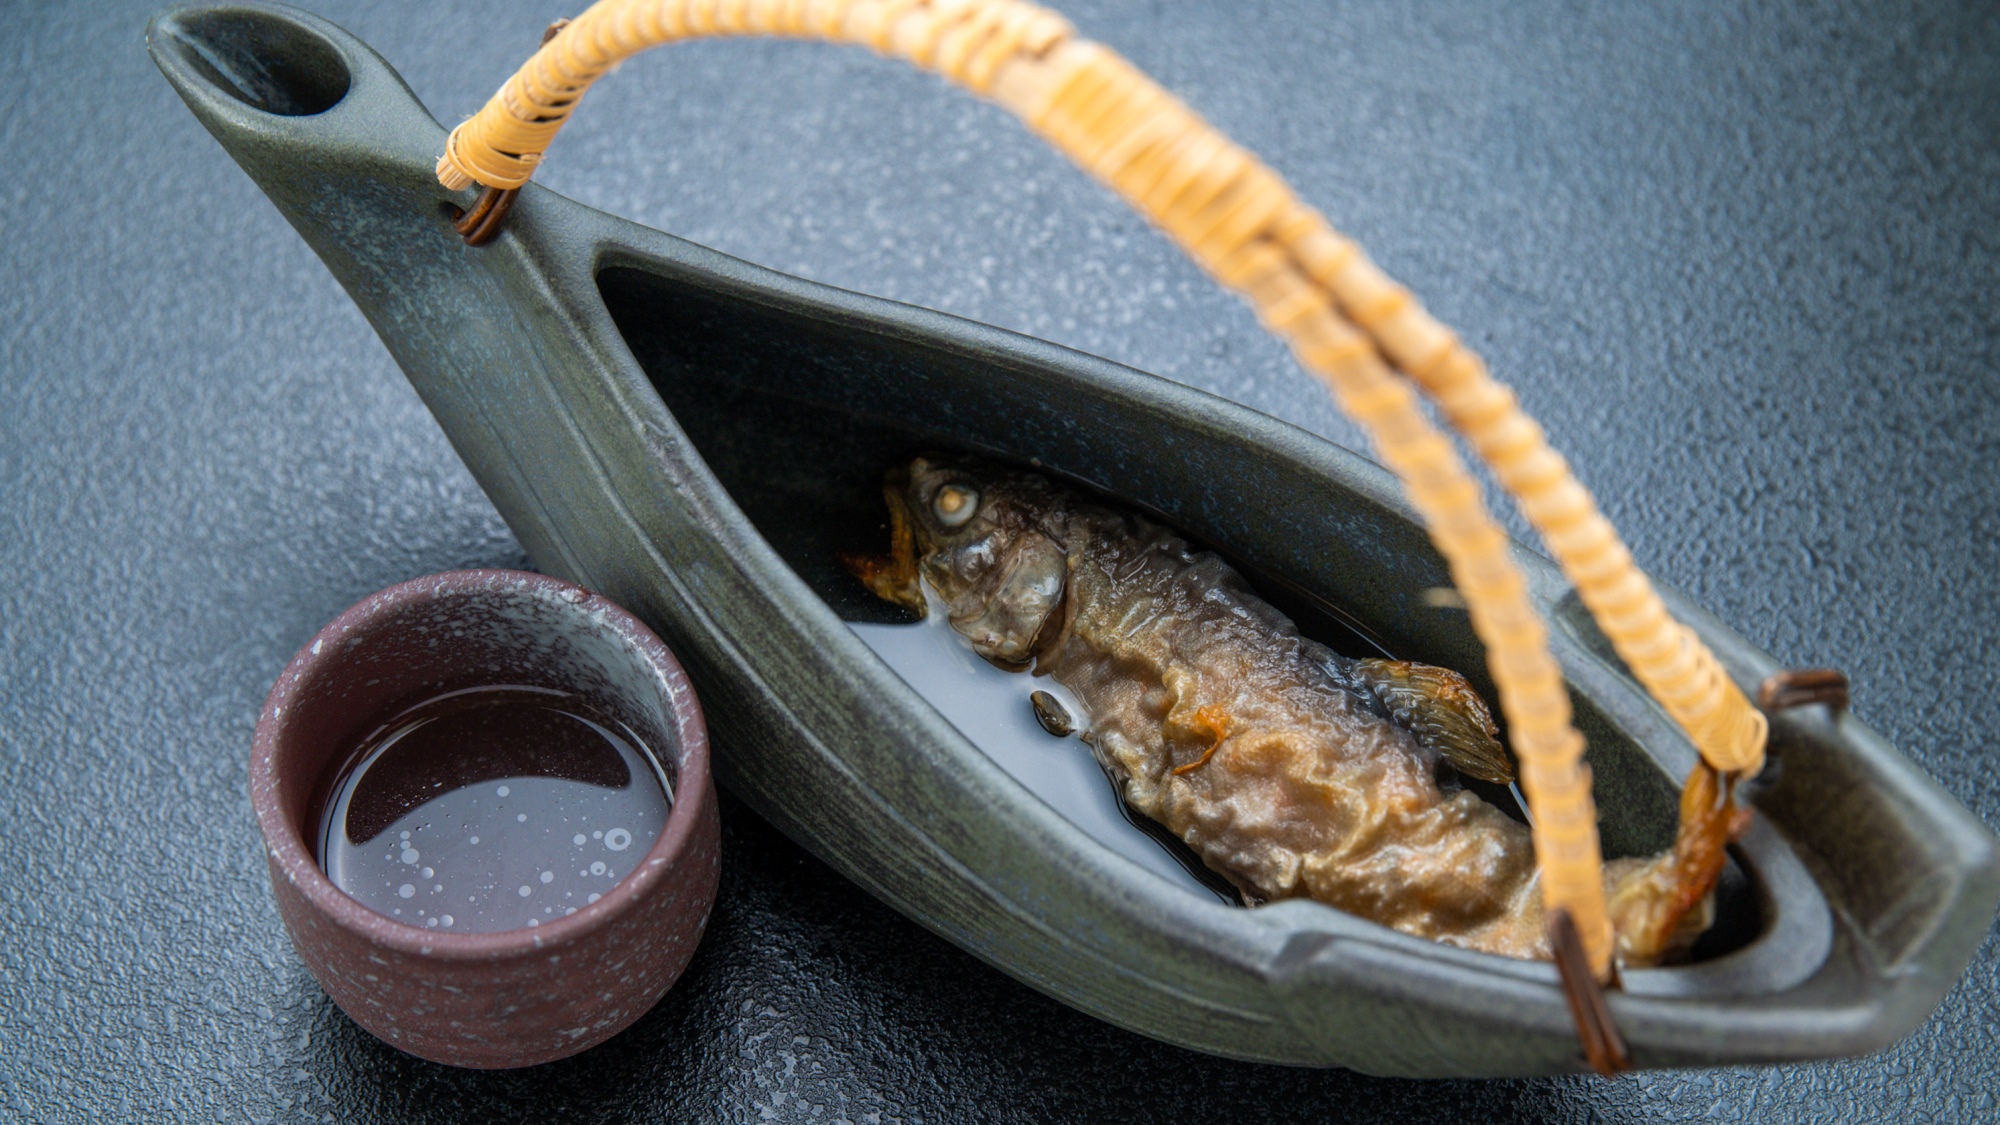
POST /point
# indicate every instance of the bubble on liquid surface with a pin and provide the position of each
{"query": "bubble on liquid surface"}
(437, 763)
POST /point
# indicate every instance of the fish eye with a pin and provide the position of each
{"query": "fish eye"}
(954, 505)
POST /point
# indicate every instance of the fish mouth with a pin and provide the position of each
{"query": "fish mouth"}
(893, 577)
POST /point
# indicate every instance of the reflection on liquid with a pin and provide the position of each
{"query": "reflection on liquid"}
(492, 809)
(994, 711)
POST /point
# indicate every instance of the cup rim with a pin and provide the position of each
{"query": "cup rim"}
(293, 855)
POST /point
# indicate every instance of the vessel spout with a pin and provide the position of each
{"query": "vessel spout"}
(264, 59)
(322, 123)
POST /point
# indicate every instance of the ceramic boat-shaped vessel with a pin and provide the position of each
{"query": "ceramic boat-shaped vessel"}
(696, 437)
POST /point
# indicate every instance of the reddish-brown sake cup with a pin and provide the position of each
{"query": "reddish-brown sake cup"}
(518, 997)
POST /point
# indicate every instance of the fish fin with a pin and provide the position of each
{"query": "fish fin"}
(892, 577)
(1443, 711)
(1663, 906)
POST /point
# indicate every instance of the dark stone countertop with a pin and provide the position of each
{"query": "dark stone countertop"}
(1740, 260)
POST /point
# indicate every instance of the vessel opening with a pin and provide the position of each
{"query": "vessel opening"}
(259, 58)
(799, 416)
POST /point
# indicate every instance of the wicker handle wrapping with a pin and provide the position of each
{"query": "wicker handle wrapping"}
(1345, 320)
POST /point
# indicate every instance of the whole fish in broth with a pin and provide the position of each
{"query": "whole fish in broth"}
(1289, 769)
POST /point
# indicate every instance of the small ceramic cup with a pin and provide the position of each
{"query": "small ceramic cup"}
(518, 997)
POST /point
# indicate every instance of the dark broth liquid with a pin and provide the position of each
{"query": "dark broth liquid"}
(492, 809)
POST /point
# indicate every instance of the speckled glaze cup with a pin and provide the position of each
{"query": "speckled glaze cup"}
(518, 997)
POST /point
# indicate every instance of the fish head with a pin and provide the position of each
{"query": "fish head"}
(986, 539)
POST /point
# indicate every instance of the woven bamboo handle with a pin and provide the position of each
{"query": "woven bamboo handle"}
(1310, 285)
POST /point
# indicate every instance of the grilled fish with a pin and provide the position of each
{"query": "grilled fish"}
(1291, 770)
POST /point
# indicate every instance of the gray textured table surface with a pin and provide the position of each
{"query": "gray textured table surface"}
(1740, 261)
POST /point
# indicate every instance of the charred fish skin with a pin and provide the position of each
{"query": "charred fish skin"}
(1291, 770)
(1229, 728)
